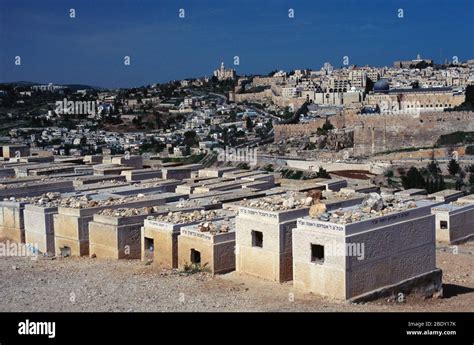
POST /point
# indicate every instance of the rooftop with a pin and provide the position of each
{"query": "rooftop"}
(445, 192)
(453, 206)
(215, 227)
(282, 202)
(127, 212)
(47, 200)
(180, 217)
(373, 206)
(87, 201)
(466, 199)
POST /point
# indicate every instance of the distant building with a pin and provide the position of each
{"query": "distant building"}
(416, 100)
(327, 68)
(225, 73)
(290, 92)
(412, 63)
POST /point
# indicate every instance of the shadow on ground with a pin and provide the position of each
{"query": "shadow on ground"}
(452, 290)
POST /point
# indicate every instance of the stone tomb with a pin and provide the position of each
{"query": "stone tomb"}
(454, 222)
(143, 188)
(100, 186)
(216, 172)
(141, 174)
(115, 237)
(468, 199)
(239, 174)
(12, 225)
(85, 180)
(263, 242)
(30, 219)
(376, 256)
(117, 234)
(160, 235)
(410, 192)
(72, 224)
(179, 172)
(223, 186)
(361, 189)
(35, 188)
(190, 186)
(212, 247)
(446, 195)
(260, 182)
(39, 227)
(335, 200)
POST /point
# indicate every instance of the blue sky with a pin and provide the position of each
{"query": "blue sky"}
(90, 48)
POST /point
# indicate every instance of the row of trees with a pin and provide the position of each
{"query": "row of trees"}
(415, 178)
(431, 178)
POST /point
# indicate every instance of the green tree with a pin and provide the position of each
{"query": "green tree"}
(420, 65)
(471, 182)
(244, 166)
(433, 168)
(453, 167)
(369, 85)
(413, 179)
(327, 126)
(389, 175)
(433, 177)
(469, 168)
(459, 183)
(322, 173)
(190, 139)
(269, 168)
(137, 121)
(249, 123)
(441, 184)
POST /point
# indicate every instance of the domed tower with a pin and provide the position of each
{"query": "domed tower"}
(382, 85)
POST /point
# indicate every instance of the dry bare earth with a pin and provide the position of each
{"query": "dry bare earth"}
(85, 284)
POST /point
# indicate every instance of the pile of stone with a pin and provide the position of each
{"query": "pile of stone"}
(342, 195)
(289, 201)
(50, 199)
(154, 179)
(127, 212)
(78, 202)
(195, 202)
(211, 228)
(86, 202)
(374, 205)
(106, 182)
(24, 184)
(13, 185)
(186, 217)
(149, 184)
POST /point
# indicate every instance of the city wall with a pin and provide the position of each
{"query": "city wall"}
(270, 95)
(379, 133)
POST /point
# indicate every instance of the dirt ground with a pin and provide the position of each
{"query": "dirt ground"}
(87, 284)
